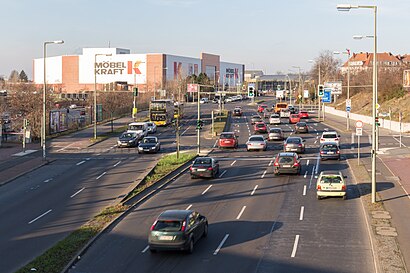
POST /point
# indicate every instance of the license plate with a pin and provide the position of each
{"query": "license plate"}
(201, 170)
(302, 128)
(293, 149)
(286, 166)
(166, 238)
(227, 141)
(146, 150)
(330, 153)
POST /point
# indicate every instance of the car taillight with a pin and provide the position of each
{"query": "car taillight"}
(296, 164)
(343, 187)
(190, 168)
(276, 163)
(322, 152)
(319, 187)
(153, 225)
(336, 139)
(338, 152)
(300, 145)
(285, 144)
(183, 226)
(210, 169)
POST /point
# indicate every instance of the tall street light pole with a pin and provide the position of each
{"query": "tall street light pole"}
(347, 7)
(43, 125)
(348, 85)
(95, 91)
(318, 82)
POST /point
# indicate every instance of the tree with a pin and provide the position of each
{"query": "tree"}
(14, 76)
(329, 66)
(23, 76)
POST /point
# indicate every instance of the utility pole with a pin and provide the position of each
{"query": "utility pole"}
(177, 121)
(198, 121)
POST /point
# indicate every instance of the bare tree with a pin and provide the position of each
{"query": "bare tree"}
(328, 66)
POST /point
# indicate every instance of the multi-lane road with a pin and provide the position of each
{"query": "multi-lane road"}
(258, 222)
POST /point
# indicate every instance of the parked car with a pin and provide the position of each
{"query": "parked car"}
(152, 127)
(204, 167)
(260, 127)
(331, 183)
(204, 100)
(256, 142)
(329, 150)
(294, 118)
(303, 114)
(237, 112)
(274, 119)
(256, 118)
(262, 107)
(128, 139)
(276, 134)
(228, 140)
(177, 230)
(149, 144)
(286, 162)
(330, 136)
(301, 127)
(294, 144)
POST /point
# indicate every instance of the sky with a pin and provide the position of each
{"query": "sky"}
(269, 35)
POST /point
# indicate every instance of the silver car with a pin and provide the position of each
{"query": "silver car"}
(256, 118)
(294, 144)
(276, 134)
(152, 127)
(256, 142)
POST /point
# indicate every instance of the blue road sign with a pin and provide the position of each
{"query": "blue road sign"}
(327, 96)
(348, 109)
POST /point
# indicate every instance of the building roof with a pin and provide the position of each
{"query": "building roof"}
(366, 59)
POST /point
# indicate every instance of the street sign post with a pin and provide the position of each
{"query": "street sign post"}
(348, 108)
(327, 96)
(359, 132)
(359, 124)
(348, 103)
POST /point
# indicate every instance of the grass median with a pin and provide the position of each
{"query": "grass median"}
(219, 121)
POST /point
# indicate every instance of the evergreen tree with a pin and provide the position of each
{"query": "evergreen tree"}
(23, 76)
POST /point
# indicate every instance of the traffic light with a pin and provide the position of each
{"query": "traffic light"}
(376, 121)
(321, 90)
(199, 124)
(135, 91)
(251, 91)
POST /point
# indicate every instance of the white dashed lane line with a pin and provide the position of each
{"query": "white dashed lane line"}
(190, 206)
(48, 180)
(233, 162)
(207, 189)
(42, 215)
(240, 213)
(305, 174)
(295, 246)
(302, 210)
(304, 190)
(116, 164)
(254, 189)
(77, 192)
(221, 244)
(145, 249)
(222, 174)
(101, 175)
(79, 163)
(263, 175)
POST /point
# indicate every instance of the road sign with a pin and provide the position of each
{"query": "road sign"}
(327, 96)
(191, 87)
(348, 108)
(306, 94)
(359, 124)
(348, 103)
(359, 131)
(336, 87)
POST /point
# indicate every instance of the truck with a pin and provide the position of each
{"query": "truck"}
(280, 94)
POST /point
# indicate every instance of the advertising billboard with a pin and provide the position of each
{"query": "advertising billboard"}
(335, 86)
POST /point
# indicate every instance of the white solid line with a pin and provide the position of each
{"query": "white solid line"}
(145, 249)
(116, 164)
(233, 162)
(263, 175)
(77, 192)
(206, 189)
(254, 189)
(304, 190)
(101, 175)
(222, 173)
(79, 163)
(315, 142)
(295, 246)
(240, 213)
(270, 163)
(187, 208)
(302, 210)
(311, 176)
(35, 219)
(307, 162)
(221, 244)
(48, 180)
(305, 174)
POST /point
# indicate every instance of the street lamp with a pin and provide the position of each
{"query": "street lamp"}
(347, 52)
(95, 91)
(43, 125)
(347, 7)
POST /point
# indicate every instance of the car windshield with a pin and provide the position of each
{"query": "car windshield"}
(275, 130)
(274, 116)
(256, 117)
(329, 147)
(226, 136)
(168, 225)
(127, 135)
(331, 179)
(285, 159)
(330, 136)
(136, 127)
(256, 138)
(301, 124)
(150, 124)
(202, 161)
(260, 125)
(149, 140)
(293, 140)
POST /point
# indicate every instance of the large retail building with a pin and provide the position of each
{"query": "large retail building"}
(118, 69)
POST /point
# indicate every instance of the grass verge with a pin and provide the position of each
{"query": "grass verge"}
(219, 122)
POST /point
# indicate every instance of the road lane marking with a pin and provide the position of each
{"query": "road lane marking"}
(254, 189)
(48, 180)
(302, 210)
(305, 174)
(44, 214)
(216, 141)
(116, 164)
(240, 213)
(307, 162)
(263, 175)
(88, 158)
(315, 142)
(221, 244)
(187, 208)
(316, 129)
(77, 192)
(79, 163)
(270, 163)
(311, 177)
(101, 175)
(222, 173)
(145, 249)
(233, 162)
(304, 190)
(317, 134)
(317, 164)
(206, 189)
(295, 246)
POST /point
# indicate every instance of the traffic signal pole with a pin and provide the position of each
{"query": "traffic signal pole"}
(198, 122)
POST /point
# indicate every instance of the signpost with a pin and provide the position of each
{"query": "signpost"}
(359, 132)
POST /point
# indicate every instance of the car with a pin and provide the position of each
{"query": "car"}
(284, 113)
(260, 127)
(331, 183)
(275, 134)
(229, 99)
(140, 128)
(262, 107)
(256, 118)
(228, 140)
(149, 144)
(73, 106)
(177, 230)
(329, 150)
(204, 100)
(128, 139)
(294, 118)
(303, 114)
(287, 162)
(256, 142)
(294, 144)
(330, 136)
(152, 127)
(274, 119)
(301, 127)
(204, 167)
(237, 112)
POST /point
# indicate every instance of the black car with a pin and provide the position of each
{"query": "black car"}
(127, 139)
(204, 167)
(177, 230)
(301, 127)
(329, 150)
(149, 144)
(286, 162)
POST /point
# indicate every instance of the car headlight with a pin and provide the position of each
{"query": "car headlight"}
(152, 148)
(118, 142)
(130, 141)
(140, 148)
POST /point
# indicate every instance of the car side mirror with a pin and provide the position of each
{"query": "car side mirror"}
(304, 140)
(344, 176)
(338, 135)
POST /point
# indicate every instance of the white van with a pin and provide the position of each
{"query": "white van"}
(141, 128)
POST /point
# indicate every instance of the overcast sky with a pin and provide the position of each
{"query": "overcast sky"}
(262, 34)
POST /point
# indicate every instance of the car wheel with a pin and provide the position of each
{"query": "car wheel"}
(190, 248)
(139, 152)
(193, 176)
(152, 250)
(205, 234)
(319, 197)
(345, 197)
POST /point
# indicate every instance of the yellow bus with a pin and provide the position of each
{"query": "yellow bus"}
(161, 112)
(279, 106)
(178, 110)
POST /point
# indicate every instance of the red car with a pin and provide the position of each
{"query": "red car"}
(260, 127)
(228, 140)
(262, 107)
(294, 118)
(303, 114)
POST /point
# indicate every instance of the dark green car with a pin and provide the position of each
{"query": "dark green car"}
(177, 230)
